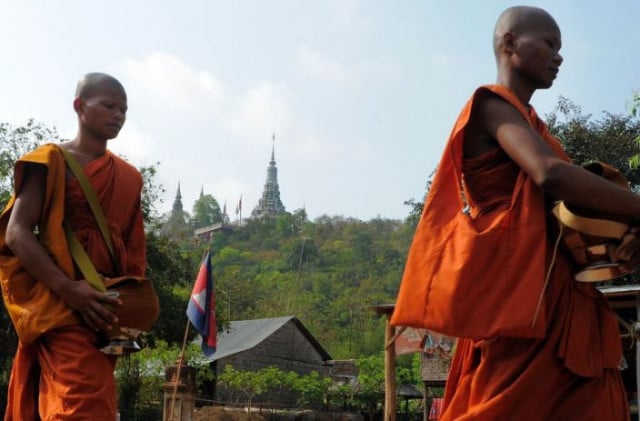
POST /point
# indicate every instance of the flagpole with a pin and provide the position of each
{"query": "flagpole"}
(175, 385)
(184, 342)
(181, 357)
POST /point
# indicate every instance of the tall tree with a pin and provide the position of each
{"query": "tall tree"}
(151, 195)
(206, 211)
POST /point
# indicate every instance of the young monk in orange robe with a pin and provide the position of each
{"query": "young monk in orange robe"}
(58, 371)
(534, 343)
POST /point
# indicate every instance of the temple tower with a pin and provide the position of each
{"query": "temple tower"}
(176, 225)
(270, 204)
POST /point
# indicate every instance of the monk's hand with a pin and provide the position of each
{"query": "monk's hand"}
(92, 305)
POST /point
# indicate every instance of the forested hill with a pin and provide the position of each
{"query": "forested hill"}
(329, 273)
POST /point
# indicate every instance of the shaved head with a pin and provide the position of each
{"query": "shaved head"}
(520, 19)
(91, 83)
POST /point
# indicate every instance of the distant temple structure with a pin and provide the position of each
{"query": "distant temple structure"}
(176, 225)
(180, 226)
(270, 204)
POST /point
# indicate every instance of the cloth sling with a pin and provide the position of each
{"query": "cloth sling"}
(78, 252)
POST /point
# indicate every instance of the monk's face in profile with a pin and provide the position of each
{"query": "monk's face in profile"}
(536, 53)
(103, 112)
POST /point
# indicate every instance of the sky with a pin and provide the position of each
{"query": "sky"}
(360, 95)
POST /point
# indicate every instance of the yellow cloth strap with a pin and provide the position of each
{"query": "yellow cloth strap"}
(82, 259)
(98, 213)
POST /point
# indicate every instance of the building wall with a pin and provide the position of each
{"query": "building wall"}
(288, 349)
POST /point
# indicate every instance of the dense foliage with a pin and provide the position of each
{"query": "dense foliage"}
(611, 138)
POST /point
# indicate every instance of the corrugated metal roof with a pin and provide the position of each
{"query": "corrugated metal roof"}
(247, 334)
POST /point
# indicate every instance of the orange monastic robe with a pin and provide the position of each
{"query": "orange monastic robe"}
(556, 362)
(58, 373)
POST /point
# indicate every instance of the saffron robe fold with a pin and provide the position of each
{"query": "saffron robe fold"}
(50, 332)
(564, 368)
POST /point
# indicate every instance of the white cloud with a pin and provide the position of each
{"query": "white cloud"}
(134, 143)
(226, 149)
(167, 79)
(203, 134)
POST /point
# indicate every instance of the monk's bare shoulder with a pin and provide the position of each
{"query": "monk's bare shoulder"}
(477, 139)
(489, 113)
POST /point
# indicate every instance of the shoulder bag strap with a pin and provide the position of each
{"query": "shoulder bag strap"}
(98, 213)
(82, 260)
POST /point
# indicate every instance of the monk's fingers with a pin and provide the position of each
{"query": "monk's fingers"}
(100, 317)
(107, 316)
(89, 321)
(110, 301)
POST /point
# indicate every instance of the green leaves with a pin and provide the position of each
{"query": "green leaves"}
(634, 161)
(15, 142)
(611, 138)
(206, 212)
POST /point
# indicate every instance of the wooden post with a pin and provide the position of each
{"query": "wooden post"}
(179, 393)
(390, 391)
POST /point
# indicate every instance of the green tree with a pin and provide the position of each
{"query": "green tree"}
(371, 381)
(140, 377)
(279, 382)
(249, 383)
(206, 211)
(173, 271)
(313, 389)
(151, 195)
(634, 161)
(610, 139)
(16, 141)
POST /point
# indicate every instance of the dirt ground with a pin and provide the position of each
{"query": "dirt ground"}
(208, 413)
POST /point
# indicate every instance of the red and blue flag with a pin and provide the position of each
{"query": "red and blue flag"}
(201, 309)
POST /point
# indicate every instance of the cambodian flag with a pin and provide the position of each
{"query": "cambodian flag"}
(201, 309)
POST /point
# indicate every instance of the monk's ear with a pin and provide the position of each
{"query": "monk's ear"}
(509, 42)
(78, 105)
